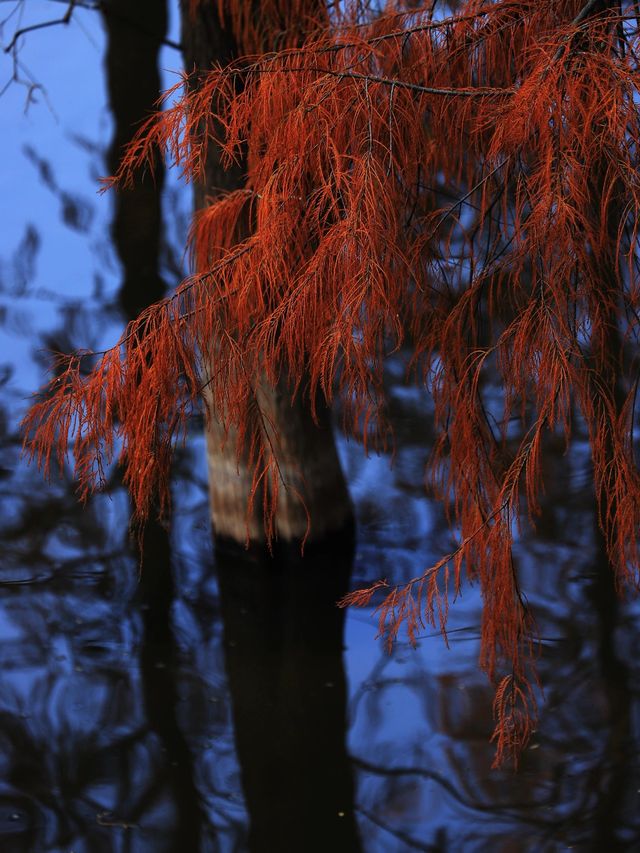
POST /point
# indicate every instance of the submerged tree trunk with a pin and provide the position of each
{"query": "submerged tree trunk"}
(313, 489)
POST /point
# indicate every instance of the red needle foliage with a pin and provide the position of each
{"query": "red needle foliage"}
(466, 185)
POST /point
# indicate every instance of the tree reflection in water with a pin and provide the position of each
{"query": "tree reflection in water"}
(133, 716)
(283, 642)
(118, 719)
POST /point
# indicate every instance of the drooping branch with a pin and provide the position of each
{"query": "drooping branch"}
(435, 188)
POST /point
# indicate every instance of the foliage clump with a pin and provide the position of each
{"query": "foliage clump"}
(465, 184)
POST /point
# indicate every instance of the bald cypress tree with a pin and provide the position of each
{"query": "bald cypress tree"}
(459, 177)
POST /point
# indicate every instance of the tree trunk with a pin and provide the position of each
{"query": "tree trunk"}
(134, 36)
(135, 32)
(307, 458)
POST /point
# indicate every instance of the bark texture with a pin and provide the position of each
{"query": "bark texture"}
(313, 500)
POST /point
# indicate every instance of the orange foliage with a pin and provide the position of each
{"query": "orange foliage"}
(466, 185)
(259, 26)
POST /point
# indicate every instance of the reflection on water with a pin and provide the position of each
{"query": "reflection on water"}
(206, 706)
(283, 652)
